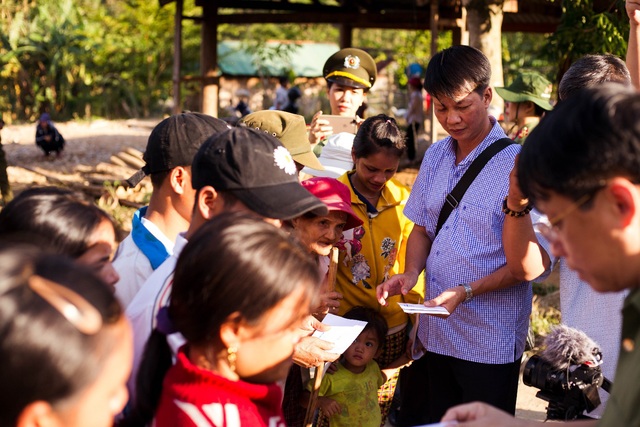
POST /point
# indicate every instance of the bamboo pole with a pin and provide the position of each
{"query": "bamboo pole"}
(331, 286)
(333, 270)
(313, 400)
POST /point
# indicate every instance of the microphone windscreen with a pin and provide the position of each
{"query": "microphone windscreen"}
(567, 346)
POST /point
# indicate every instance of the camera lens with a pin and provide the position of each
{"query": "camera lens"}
(540, 374)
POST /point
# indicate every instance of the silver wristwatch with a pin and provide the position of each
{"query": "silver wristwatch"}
(468, 290)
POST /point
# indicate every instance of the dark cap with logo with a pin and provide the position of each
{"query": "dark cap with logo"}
(351, 67)
(174, 142)
(258, 170)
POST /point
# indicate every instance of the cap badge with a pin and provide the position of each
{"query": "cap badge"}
(284, 160)
(352, 61)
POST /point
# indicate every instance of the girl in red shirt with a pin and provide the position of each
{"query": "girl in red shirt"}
(241, 291)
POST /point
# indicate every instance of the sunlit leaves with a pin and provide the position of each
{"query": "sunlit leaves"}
(585, 29)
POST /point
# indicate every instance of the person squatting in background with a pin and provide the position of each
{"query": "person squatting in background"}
(47, 136)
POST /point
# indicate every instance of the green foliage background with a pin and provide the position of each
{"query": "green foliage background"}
(586, 27)
(113, 58)
(79, 58)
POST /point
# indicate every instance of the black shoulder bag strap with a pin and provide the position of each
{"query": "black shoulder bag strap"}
(453, 199)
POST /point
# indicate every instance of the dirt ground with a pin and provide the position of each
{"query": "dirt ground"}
(90, 143)
(87, 144)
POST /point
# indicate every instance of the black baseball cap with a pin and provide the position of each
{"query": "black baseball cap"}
(258, 170)
(174, 142)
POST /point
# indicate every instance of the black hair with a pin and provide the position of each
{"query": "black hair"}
(588, 138)
(268, 266)
(54, 218)
(293, 95)
(158, 178)
(417, 85)
(331, 83)
(538, 110)
(235, 262)
(375, 321)
(376, 134)
(452, 70)
(229, 199)
(43, 356)
(593, 70)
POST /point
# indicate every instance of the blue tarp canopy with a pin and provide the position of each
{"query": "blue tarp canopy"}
(304, 59)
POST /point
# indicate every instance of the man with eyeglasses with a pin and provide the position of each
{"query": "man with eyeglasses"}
(581, 167)
(596, 314)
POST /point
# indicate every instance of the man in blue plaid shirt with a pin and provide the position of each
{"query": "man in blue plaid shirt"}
(475, 353)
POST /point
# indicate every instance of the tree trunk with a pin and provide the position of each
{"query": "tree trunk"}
(484, 23)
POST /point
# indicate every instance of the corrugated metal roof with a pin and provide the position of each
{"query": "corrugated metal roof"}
(304, 59)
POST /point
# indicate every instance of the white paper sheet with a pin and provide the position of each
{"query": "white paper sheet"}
(343, 332)
(419, 308)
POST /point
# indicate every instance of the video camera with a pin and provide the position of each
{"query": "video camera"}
(568, 373)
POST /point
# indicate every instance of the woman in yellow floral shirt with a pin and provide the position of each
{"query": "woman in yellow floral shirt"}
(374, 251)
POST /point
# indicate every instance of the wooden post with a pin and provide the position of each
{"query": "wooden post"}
(331, 286)
(209, 58)
(346, 35)
(333, 270)
(460, 33)
(433, 25)
(177, 56)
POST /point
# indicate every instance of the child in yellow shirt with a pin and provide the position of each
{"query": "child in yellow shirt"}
(349, 397)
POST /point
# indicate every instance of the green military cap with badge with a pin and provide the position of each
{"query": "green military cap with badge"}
(528, 86)
(351, 67)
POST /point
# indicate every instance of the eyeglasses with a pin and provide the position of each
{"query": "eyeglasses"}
(549, 227)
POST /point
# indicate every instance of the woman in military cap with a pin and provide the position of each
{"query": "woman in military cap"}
(349, 73)
(527, 99)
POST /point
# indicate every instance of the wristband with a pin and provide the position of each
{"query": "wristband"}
(515, 214)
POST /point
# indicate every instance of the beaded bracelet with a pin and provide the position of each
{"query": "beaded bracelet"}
(515, 214)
